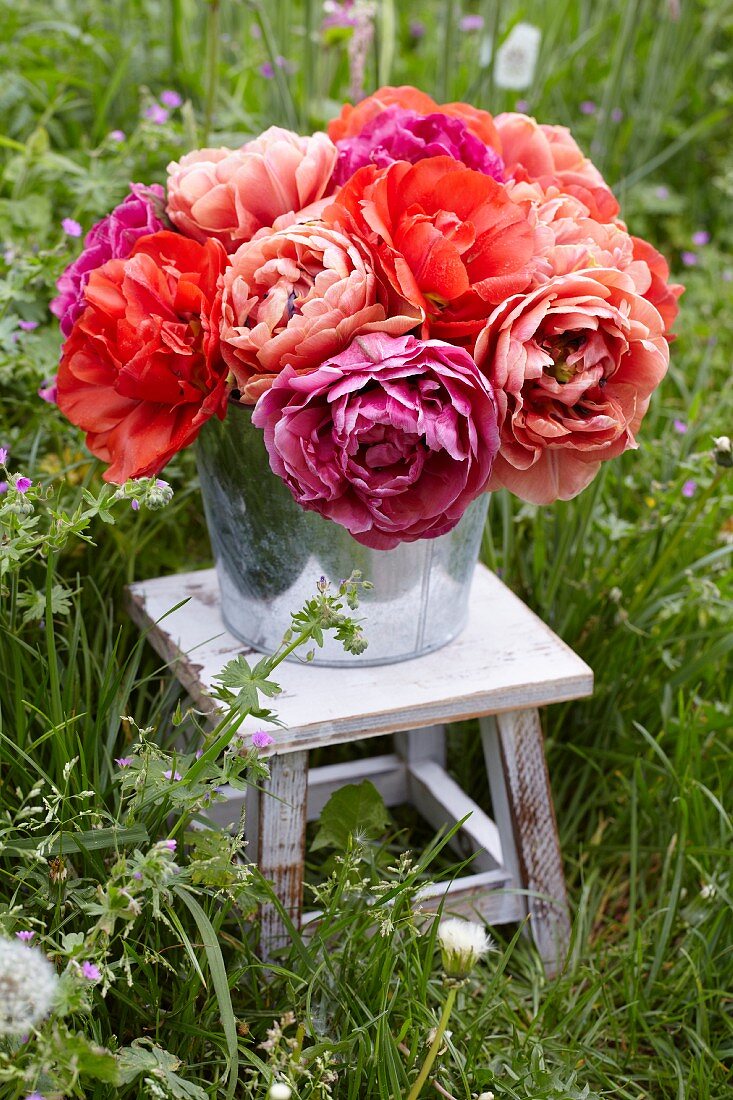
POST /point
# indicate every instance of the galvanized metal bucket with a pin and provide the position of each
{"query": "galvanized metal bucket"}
(270, 553)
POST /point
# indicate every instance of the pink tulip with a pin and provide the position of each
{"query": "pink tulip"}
(573, 366)
(230, 194)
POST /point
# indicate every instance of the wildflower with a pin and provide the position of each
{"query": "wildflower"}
(723, 452)
(267, 71)
(462, 944)
(281, 1090)
(359, 46)
(689, 259)
(255, 30)
(116, 135)
(662, 192)
(28, 984)
(91, 972)
(175, 776)
(71, 228)
(728, 275)
(25, 936)
(48, 390)
(701, 237)
(123, 761)
(4, 452)
(617, 114)
(339, 16)
(27, 326)
(156, 114)
(680, 427)
(516, 58)
(171, 845)
(708, 891)
(171, 99)
(261, 739)
(57, 871)
(471, 23)
(417, 29)
(688, 489)
(587, 107)
(23, 484)
(521, 106)
(34, 1096)
(485, 1096)
(135, 505)
(3, 487)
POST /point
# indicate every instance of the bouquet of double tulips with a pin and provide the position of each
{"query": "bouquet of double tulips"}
(422, 304)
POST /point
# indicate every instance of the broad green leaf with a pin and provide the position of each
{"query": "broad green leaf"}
(355, 810)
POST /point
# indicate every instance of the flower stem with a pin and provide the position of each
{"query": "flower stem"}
(435, 1045)
(212, 66)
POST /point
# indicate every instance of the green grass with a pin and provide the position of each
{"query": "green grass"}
(633, 574)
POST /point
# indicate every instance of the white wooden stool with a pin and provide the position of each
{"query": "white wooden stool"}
(504, 665)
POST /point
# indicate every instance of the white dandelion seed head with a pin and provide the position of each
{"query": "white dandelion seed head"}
(462, 944)
(28, 984)
(485, 1096)
(281, 1090)
(516, 58)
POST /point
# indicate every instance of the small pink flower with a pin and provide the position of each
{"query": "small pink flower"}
(680, 427)
(117, 135)
(23, 484)
(689, 259)
(71, 228)
(470, 23)
(617, 114)
(25, 936)
(261, 739)
(49, 391)
(27, 326)
(171, 845)
(35, 1096)
(91, 972)
(4, 453)
(3, 487)
(587, 107)
(701, 238)
(156, 114)
(521, 106)
(662, 192)
(688, 489)
(417, 29)
(171, 99)
(123, 761)
(174, 776)
(267, 71)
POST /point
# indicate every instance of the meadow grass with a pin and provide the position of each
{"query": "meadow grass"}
(634, 574)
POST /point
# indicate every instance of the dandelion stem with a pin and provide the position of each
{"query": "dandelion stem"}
(435, 1045)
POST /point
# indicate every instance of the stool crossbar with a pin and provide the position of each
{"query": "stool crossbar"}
(504, 666)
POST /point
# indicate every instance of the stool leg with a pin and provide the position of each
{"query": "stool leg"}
(281, 843)
(522, 797)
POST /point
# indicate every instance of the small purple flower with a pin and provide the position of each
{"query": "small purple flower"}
(174, 776)
(156, 114)
(267, 71)
(255, 30)
(3, 487)
(617, 114)
(470, 23)
(48, 391)
(261, 739)
(35, 1096)
(688, 489)
(689, 259)
(4, 453)
(161, 484)
(728, 275)
(701, 238)
(91, 972)
(71, 228)
(171, 99)
(25, 936)
(662, 192)
(117, 135)
(680, 427)
(137, 875)
(135, 505)
(23, 484)
(521, 106)
(171, 845)
(123, 761)
(9, 255)
(587, 107)
(417, 29)
(28, 326)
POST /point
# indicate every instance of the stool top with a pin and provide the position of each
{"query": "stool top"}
(505, 659)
